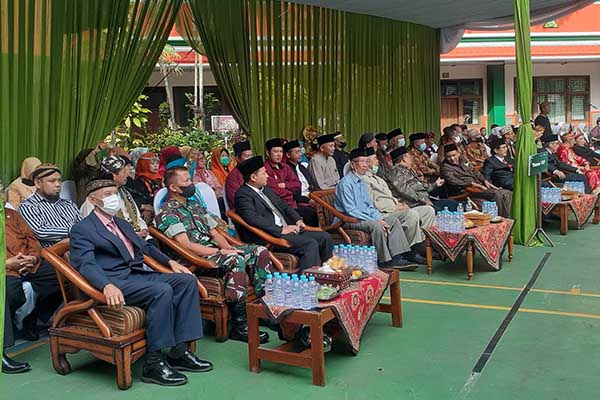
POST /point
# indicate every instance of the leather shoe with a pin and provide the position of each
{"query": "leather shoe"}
(415, 257)
(402, 264)
(10, 366)
(189, 362)
(242, 335)
(303, 336)
(162, 374)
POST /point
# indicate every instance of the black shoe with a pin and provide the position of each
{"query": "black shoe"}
(239, 330)
(162, 374)
(303, 337)
(189, 362)
(29, 331)
(402, 264)
(415, 258)
(10, 366)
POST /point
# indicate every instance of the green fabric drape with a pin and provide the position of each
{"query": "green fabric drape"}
(524, 205)
(2, 274)
(282, 66)
(70, 71)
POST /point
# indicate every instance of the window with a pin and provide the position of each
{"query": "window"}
(468, 94)
(568, 97)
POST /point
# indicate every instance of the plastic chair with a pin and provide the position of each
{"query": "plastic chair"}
(158, 200)
(68, 191)
(212, 204)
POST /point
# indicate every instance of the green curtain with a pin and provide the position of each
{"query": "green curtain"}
(2, 273)
(283, 66)
(70, 71)
(524, 205)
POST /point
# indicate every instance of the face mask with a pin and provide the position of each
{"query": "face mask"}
(188, 191)
(52, 198)
(383, 147)
(401, 142)
(374, 169)
(302, 150)
(457, 139)
(343, 145)
(422, 146)
(224, 161)
(111, 204)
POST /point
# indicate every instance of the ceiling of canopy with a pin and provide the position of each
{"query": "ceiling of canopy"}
(436, 13)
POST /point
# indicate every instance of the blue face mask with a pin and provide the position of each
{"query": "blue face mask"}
(422, 146)
(401, 142)
(374, 169)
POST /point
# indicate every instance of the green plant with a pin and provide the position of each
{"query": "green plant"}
(131, 130)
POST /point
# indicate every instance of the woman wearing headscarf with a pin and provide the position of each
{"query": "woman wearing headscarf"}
(146, 183)
(221, 164)
(134, 156)
(202, 174)
(17, 190)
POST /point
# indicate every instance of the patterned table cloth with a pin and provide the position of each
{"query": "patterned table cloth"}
(582, 208)
(353, 308)
(490, 240)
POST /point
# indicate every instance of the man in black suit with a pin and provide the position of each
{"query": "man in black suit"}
(107, 252)
(560, 171)
(259, 206)
(496, 168)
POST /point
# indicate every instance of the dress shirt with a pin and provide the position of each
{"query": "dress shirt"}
(381, 195)
(352, 198)
(20, 239)
(279, 218)
(110, 224)
(305, 189)
(325, 171)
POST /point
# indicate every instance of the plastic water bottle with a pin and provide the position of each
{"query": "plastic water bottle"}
(296, 293)
(494, 210)
(336, 251)
(314, 288)
(373, 259)
(460, 208)
(306, 294)
(269, 289)
(287, 290)
(278, 298)
(469, 206)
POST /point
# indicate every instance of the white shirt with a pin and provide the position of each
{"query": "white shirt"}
(278, 220)
(305, 186)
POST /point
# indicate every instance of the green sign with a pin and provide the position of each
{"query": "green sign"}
(538, 163)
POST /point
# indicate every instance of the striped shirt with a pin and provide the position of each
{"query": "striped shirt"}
(50, 222)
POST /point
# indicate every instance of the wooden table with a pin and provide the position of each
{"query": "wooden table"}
(566, 208)
(466, 244)
(314, 357)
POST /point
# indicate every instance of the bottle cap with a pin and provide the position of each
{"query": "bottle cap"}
(269, 276)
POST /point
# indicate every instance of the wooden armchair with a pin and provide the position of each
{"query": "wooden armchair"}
(213, 306)
(85, 322)
(463, 196)
(327, 213)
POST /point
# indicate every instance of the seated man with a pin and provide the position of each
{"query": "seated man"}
(582, 149)
(322, 165)
(406, 187)
(509, 135)
(560, 171)
(260, 207)
(283, 181)
(308, 183)
(241, 151)
(426, 170)
(339, 154)
(460, 176)
(107, 252)
(118, 169)
(395, 139)
(412, 219)
(387, 234)
(24, 264)
(190, 225)
(49, 217)
(496, 168)
(382, 141)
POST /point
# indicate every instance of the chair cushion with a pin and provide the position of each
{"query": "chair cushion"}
(214, 286)
(357, 237)
(122, 321)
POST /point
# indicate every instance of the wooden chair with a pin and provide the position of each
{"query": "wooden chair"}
(85, 322)
(463, 196)
(213, 307)
(327, 213)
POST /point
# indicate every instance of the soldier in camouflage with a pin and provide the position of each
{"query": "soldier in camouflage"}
(189, 224)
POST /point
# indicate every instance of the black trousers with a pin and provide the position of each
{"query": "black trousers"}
(45, 285)
(172, 305)
(312, 248)
(9, 335)
(309, 215)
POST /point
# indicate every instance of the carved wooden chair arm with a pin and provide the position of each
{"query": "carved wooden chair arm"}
(316, 196)
(191, 257)
(158, 267)
(271, 240)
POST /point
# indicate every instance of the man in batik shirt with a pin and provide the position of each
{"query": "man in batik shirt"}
(191, 226)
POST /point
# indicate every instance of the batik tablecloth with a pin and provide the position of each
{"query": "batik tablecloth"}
(489, 240)
(582, 208)
(353, 308)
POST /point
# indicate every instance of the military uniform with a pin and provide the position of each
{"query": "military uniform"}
(237, 270)
(424, 169)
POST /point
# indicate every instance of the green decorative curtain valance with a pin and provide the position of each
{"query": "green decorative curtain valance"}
(70, 71)
(283, 66)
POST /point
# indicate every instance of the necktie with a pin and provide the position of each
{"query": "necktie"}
(112, 227)
(273, 208)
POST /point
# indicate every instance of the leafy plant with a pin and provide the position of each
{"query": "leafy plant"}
(131, 130)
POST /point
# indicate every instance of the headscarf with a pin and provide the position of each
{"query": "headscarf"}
(166, 154)
(143, 167)
(217, 168)
(28, 165)
(135, 154)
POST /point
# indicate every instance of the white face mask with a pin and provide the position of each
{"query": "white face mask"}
(112, 204)
(401, 142)
(457, 139)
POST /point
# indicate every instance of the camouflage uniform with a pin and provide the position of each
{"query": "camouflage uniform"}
(424, 169)
(405, 186)
(236, 269)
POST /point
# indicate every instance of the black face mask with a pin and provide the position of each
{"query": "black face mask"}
(188, 191)
(52, 198)
(343, 145)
